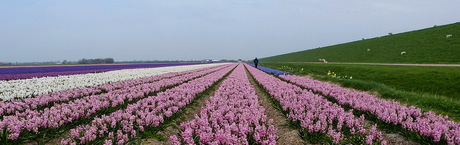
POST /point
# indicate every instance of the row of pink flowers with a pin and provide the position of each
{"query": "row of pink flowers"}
(16, 105)
(118, 127)
(426, 124)
(61, 114)
(314, 113)
(231, 116)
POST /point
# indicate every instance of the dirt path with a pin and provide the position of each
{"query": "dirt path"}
(189, 114)
(396, 139)
(400, 64)
(287, 136)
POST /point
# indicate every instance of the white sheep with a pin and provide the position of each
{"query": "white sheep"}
(404, 52)
(322, 60)
(368, 50)
(448, 36)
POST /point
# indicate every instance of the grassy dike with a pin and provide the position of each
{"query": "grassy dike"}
(421, 46)
(430, 88)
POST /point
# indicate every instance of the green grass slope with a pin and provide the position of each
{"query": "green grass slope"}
(439, 81)
(422, 46)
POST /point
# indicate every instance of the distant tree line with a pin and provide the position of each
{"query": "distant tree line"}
(96, 61)
(5, 63)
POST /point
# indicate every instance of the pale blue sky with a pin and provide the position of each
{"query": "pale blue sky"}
(201, 29)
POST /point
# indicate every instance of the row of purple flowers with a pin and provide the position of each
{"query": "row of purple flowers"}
(314, 113)
(122, 125)
(427, 124)
(270, 70)
(13, 73)
(232, 116)
(36, 121)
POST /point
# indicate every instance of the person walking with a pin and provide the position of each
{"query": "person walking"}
(256, 62)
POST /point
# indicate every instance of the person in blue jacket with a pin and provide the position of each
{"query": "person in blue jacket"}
(256, 62)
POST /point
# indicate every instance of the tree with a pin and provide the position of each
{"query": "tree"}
(96, 61)
(109, 60)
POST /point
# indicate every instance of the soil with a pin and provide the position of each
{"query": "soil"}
(396, 139)
(51, 141)
(56, 141)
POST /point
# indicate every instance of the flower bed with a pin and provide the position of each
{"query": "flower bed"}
(12, 106)
(316, 115)
(428, 124)
(118, 127)
(232, 116)
(13, 73)
(31, 123)
(37, 86)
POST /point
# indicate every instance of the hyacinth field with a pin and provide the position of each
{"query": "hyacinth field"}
(217, 103)
(46, 71)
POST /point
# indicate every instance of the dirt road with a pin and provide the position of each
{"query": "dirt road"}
(402, 64)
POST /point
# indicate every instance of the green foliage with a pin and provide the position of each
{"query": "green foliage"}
(440, 81)
(334, 75)
(422, 46)
(315, 137)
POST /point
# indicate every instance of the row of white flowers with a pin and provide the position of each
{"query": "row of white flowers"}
(37, 86)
